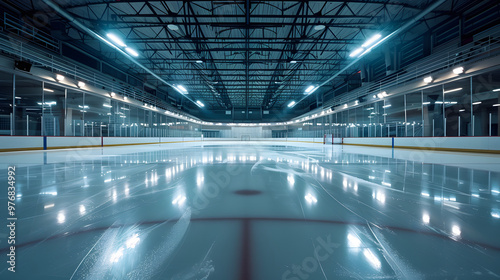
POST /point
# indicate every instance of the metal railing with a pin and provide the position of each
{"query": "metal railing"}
(27, 31)
(53, 62)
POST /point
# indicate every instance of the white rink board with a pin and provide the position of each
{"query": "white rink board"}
(72, 142)
(21, 142)
(369, 141)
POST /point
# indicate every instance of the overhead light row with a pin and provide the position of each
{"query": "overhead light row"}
(119, 43)
(310, 89)
(457, 71)
(366, 46)
(181, 89)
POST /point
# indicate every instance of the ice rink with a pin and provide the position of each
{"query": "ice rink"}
(253, 210)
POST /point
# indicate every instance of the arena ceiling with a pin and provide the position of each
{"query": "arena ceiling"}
(241, 54)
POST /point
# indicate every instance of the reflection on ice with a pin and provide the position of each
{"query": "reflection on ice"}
(372, 259)
(132, 241)
(495, 213)
(61, 217)
(116, 256)
(426, 218)
(380, 196)
(310, 198)
(353, 241)
(82, 209)
(179, 200)
(455, 230)
(123, 196)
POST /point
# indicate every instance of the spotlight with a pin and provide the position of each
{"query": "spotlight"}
(132, 52)
(356, 52)
(458, 70)
(59, 77)
(81, 84)
(428, 79)
(116, 40)
(112, 94)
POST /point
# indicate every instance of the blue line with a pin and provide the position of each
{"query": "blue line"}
(392, 147)
(45, 142)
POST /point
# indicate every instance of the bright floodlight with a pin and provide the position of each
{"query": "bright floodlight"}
(116, 40)
(112, 94)
(199, 61)
(81, 84)
(356, 52)
(372, 40)
(428, 79)
(291, 104)
(458, 70)
(181, 88)
(60, 77)
(293, 61)
(132, 52)
(309, 89)
(200, 103)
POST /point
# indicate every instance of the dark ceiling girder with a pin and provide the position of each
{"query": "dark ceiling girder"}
(237, 49)
(242, 16)
(254, 39)
(238, 41)
(240, 61)
(376, 2)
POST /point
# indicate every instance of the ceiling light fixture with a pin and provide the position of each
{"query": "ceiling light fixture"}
(59, 77)
(452, 90)
(132, 52)
(291, 104)
(309, 89)
(116, 40)
(372, 40)
(356, 52)
(81, 84)
(428, 79)
(458, 70)
(200, 104)
(182, 89)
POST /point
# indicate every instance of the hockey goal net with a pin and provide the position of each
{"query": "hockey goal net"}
(245, 137)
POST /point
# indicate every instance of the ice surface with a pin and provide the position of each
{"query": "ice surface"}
(253, 210)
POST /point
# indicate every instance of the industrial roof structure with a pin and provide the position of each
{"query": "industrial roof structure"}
(245, 54)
